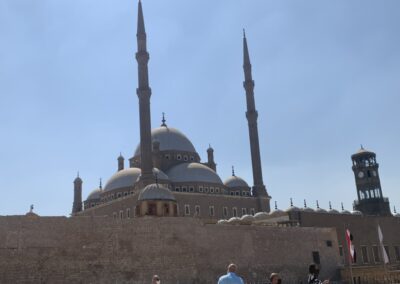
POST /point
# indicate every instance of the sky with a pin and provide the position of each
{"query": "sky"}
(326, 80)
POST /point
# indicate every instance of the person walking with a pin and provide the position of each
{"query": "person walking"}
(313, 270)
(275, 278)
(155, 280)
(231, 277)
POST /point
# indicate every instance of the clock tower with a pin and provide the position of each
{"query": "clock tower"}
(369, 192)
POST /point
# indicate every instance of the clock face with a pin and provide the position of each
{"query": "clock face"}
(360, 174)
(374, 173)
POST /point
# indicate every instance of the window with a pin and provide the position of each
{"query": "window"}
(316, 258)
(237, 192)
(131, 192)
(252, 211)
(112, 196)
(179, 157)
(191, 158)
(377, 194)
(197, 210)
(121, 214)
(184, 189)
(191, 188)
(200, 189)
(115, 215)
(244, 211)
(364, 253)
(225, 211)
(206, 189)
(397, 253)
(211, 208)
(387, 252)
(185, 158)
(340, 250)
(362, 196)
(119, 194)
(176, 188)
(329, 243)
(217, 190)
(211, 189)
(376, 253)
(167, 156)
(234, 212)
(369, 173)
(125, 193)
(187, 209)
(128, 213)
(232, 193)
(371, 192)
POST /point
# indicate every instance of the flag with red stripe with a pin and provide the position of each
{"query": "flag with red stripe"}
(350, 246)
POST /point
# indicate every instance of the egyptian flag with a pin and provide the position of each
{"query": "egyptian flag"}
(350, 246)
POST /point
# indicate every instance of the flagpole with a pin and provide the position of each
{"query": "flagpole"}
(349, 259)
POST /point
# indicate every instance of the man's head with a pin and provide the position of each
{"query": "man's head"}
(232, 267)
(274, 278)
(155, 280)
(313, 269)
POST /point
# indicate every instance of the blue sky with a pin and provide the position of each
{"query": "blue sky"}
(326, 74)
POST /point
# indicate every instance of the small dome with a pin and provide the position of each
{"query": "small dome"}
(346, 212)
(308, 209)
(293, 209)
(170, 139)
(95, 194)
(356, 212)
(333, 211)
(320, 210)
(222, 222)
(261, 215)
(235, 181)
(276, 212)
(156, 192)
(247, 218)
(234, 220)
(193, 172)
(128, 177)
(363, 152)
(397, 215)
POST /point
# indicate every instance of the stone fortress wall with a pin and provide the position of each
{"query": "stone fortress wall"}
(181, 250)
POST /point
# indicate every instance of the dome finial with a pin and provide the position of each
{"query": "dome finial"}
(244, 33)
(394, 209)
(77, 174)
(317, 204)
(233, 171)
(276, 205)
(31, 208)
(163, 120)
(362, 148)
(342, 206)
(101, 184)
(291, 202)
(305, 203)
(330, 206)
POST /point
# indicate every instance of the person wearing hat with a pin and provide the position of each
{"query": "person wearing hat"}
(155, 280)
(275, 278)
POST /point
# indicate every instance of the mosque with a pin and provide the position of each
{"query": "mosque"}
(166, 177)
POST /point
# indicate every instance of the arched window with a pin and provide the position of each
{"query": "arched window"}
(234, 212)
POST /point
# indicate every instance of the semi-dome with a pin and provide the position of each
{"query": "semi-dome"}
(235, 181)
(95, 194)
(193, 172)
(155, 191)
(170, 139)
(247, 219)
(128, 177)
(356, 212)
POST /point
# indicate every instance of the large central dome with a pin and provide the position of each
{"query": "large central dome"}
(170, 139)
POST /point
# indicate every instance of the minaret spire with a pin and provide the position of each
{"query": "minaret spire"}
(144, 93)
(259, 189)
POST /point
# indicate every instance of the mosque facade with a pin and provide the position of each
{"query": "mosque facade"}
(166, 161)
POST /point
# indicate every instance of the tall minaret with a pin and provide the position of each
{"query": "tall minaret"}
(77, 205)
(259, 189)
(144, 92)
